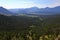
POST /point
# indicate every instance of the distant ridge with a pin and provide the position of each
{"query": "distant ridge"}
(4, 11)
(36, 10)
(32, 10)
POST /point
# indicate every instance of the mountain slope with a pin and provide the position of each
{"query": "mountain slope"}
(39, 11)
(4, 11)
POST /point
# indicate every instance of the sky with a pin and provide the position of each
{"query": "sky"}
(9, 4)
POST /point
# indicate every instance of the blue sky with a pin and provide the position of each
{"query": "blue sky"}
(29, 3)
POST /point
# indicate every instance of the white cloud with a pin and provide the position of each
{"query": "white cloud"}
(29, 3)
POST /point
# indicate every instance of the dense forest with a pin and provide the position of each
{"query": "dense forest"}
(43, 27)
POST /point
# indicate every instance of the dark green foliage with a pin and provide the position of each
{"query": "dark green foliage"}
(17, 22)
(19, 27)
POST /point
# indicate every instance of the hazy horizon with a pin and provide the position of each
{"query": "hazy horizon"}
(9, 4)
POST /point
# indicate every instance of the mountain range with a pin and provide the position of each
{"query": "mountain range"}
(32, 10)
(36, 10)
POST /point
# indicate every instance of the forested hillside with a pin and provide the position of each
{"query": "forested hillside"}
(29, 28)
(17, 22)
